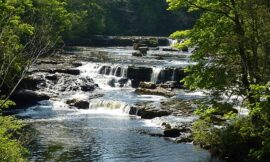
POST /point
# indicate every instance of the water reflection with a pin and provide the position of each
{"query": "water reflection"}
(103, 137)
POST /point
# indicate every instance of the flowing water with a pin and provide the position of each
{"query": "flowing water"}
(106, 131)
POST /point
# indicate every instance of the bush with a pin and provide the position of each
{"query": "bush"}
(11, 150)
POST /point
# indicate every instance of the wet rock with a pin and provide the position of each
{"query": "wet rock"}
(148, 85)
(137, 54)
(184, 138)
(171, 85)
(67, 71)
(150, 114)
(143, 50)
(179, 107)
(32, 82)
(133, 110)
(159, 58)
(52, 62)
(78, 104)
(70, 83)
(170, 49)
(139, 74)
(158, 91)
(77, 64)
(171, 74)
(28, 97)
(52, 77)
(82, 105)
(166, 125)
(123, 81)
(88, 87)
(112, 82)
(174, 132)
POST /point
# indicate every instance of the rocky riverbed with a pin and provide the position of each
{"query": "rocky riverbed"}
(111, 79)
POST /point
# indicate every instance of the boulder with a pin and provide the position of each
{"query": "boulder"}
(159, 58)
(112, 82)
(32, 82)
(150, 114)
(28, 97)
(174, 132)
(158, 91)
(53, 77)
(123, 80)
(77, 64)
(166, 125)
(88, 87)
(171, 85)
(148, 85)
(171, 74)
(52, 62)
(137, 54)
(139, 74)
(133, 110)
(143, 50)
(66, 71)
(184, 138)
(80, 104)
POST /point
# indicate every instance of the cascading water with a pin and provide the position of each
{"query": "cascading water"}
(105, 131)
(107, 75)
(155, 74)
(172, 41)
(110, 105)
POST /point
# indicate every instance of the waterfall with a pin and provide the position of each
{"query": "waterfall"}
(107, 75)
(110, 105)
(172, 41)
(113, 70)
(155, 74)
(173, 75)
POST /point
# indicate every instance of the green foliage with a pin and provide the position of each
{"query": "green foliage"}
(87, 18)
(232, 58)
(143, 17)
(7, 104)
(183, 34)
(28, 28)
(11, 150)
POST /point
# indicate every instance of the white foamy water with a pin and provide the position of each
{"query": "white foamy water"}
(173, 120)
(155, 74)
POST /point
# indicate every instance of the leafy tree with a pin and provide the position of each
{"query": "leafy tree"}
(28, 29)
(232, 55)
(87, 18)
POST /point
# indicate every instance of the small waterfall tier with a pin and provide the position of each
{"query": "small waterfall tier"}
(110, 105)
(122, 75)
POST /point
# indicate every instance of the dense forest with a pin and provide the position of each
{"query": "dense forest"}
(232, 55)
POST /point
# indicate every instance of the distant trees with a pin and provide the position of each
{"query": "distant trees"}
(232, 55)
(87, 18)
(143, 17)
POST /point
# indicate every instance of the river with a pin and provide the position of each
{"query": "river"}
(106, 131)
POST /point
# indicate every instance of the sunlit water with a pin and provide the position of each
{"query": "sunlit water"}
(106, 132)
(102, 135)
